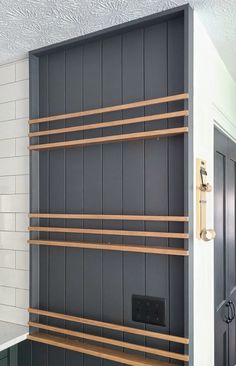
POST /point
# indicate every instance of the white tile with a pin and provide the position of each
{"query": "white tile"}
(14, 91)
(14, 203)
(8, 296)
(7, 74)
(22, 298)
(22, 70)
(14, 240)
(14, 315)
(7, 148)
(14, 278)
(7, 221)
(8, 185)
(7, 258)
(22, 260)
(14, 128)
(22, 183)
(14, 166)
(22, 221)
(7, 111)
(22, 108)
(22, 146)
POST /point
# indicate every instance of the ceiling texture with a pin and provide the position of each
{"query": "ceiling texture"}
(30, 24)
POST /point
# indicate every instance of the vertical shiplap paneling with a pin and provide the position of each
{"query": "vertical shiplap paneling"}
(92, 188)
(156, 169)
(128, 178)
(112, 304)
(56, 278)
(74, 194)
(176, 177)
(133, 173)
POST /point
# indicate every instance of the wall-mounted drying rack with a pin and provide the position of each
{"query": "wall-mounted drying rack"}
(122, 122)
(109, 246)
(102, 352)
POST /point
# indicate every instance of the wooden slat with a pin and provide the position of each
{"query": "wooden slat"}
(121, 122)
(111, 139)
(113, 342)
(142, 103)
(119, 328)
(113, 247)
(108, 217)
(151, 234)
(96, 351)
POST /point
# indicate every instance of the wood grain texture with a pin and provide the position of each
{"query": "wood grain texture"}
(120, 328)
(108, 217)
(113, 342)
(142, 103)
(111, 139)
(121, 122)
(96, 351)
(151, 234)
(113, 247)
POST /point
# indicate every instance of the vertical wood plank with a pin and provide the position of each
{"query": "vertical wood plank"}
(74, 195)
(156, 170)
(133, 173)
(112, 310)
(56, 278)
(92, 66)
(176, 177)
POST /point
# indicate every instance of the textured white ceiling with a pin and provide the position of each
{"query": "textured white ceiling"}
(29, 24)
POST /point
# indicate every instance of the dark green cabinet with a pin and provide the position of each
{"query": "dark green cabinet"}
(9, 357)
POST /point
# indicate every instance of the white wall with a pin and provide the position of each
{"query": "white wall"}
(214, 100)
(14, 192)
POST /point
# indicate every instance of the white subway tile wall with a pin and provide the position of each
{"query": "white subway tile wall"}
(14, 192)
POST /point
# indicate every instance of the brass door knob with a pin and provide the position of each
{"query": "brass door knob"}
(208, 234)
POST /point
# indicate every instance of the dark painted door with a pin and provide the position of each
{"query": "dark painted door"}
(225, 260)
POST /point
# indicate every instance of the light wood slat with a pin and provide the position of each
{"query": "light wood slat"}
(151, 234)
(121, 122)
(113, 342)
(119, 328)
(108, 217)
(96, 351)
(142, 103)
(111, 139)
(113, 247)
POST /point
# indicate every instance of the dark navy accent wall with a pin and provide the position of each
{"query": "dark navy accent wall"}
(132, 63)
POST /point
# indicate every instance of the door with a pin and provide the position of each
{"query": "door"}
(225, 260)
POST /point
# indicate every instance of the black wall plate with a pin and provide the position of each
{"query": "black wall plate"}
(149, 310)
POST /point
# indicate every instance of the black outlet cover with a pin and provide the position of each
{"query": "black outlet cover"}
(149, 310)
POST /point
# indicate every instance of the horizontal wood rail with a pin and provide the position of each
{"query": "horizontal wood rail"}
(111, 139)
(96, 351)
(113, 342)
(151, 234)
(108, 217)
(121, 107)
(111, 326)
(113, 247)
(121, 122)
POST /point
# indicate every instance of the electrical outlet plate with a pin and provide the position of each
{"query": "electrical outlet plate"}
(149, 310)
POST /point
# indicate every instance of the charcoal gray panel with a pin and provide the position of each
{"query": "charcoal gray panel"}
(56, 281)
(74, 195)
(92, 190)
(133, 173)
(176, 178)
(156, 169)
(112, 276)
